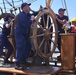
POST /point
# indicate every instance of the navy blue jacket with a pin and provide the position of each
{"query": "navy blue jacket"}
(23, 24)
(5, 30)
(60, 25)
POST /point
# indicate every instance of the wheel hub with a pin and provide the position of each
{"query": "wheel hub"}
(47, 34)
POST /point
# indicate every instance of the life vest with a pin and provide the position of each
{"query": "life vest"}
(73, 29)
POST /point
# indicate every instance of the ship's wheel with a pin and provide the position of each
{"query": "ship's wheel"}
(45, 37)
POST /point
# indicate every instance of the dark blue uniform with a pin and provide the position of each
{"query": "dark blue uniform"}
(60, 30)
(22, 31)
(4, 42)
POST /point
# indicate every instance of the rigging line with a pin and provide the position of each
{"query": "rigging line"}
(22, 1)
(4, 6)
(13, 6)
(46, 2)
(62, 3)
(5, 3)
(18, 1)
(51, 2)
(8, 2)
(30, 1)
(1, 10)
(18, 6)
(66, 9)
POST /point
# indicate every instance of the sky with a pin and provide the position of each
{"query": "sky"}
(55, 5)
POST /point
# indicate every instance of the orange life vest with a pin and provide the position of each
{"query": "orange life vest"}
(73, 30)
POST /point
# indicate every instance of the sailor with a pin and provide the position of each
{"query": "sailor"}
(61, 20)
(4, 42)
(23, 46)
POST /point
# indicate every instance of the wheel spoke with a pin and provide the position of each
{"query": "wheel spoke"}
(52, 33)
(45, 46)
(47, 22)
(37, 36)
(40, 35)
(41, 27)
(50, 26)
(53, 42)
(43, 21)
(49, 45)
(41, 43)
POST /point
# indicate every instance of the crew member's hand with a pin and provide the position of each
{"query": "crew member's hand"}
(11, 23)
(33, 18)
(55, 16)
(64, 21)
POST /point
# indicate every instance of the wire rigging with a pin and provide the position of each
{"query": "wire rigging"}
(4, 6)
(13, 6)
(62, 3)
(66, 8)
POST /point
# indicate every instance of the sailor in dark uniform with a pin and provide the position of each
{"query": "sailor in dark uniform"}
(4, 42)
(61, 20)
(23, 46)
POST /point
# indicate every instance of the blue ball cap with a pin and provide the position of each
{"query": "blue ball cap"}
(24, 4)
(61, 9)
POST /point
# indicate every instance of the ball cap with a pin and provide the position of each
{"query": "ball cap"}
(61, 9)
(7, 17)
(24, 4)
(73, 20)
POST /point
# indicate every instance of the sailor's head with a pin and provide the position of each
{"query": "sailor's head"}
(61, 11)
(25, 7)
(8, 17)
(73, 21)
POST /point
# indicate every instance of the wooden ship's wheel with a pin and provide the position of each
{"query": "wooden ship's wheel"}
(45, 37)
(45, 34)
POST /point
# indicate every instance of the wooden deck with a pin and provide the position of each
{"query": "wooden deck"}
(32, 71)
(54, 70)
